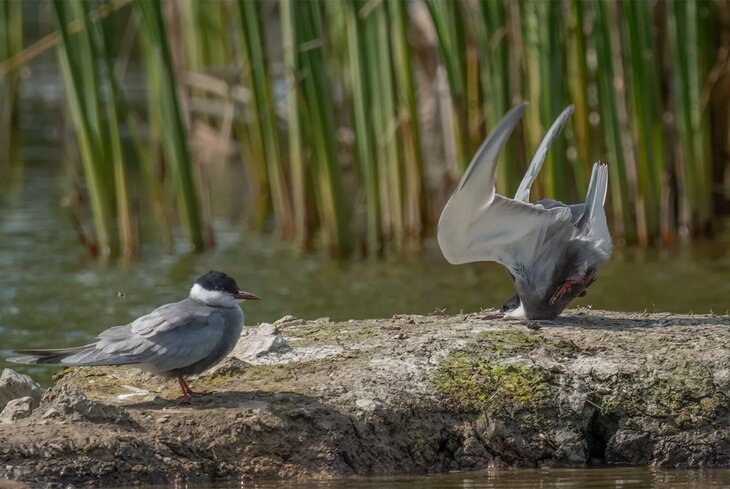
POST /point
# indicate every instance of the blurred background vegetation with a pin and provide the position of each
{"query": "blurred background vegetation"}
(344, 125)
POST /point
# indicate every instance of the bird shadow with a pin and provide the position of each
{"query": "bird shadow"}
(226, 399)
(611, 323)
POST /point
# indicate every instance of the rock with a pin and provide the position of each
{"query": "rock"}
(289, 321)
(368, 405)
(14, 385)
(259, 342)
(70, 402)
(8, 484)
(456, 393)
(18, 409)
(629, 447)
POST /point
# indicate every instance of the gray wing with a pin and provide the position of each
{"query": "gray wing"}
(576, 210)
(592, 224)
(170, 337)
(477, 224)
(523, 191)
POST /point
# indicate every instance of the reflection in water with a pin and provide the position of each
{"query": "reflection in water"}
(582, 478)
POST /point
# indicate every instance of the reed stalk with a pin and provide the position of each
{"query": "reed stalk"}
(414, 201)
(126, 222)
(263, 109)
(385, 129)
(644, 87)
(684, 40)
(317, 98)
(11, 42)
(296, 148)
(173, 131)
(448, 21)
(78, 68)
(364, 144)
(578, 84)
(601, 38)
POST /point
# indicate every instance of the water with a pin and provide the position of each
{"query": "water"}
(563, 478)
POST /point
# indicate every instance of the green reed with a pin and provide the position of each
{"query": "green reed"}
(77, 57)
(172, 128)
(338, 154)
(11, 42)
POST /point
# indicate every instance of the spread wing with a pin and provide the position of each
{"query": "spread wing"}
(477, 224)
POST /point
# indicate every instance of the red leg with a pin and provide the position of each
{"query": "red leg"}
(563, 289)
(568, 284)
(186, 390)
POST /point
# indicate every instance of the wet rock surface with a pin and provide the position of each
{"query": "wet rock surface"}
(411, 394)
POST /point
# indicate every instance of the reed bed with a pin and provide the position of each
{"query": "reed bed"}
(11, 42)
(354, 119)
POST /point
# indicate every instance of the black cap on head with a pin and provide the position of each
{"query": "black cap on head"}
(217, 281)
(511, 304)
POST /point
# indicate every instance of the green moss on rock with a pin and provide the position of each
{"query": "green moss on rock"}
(472, 382)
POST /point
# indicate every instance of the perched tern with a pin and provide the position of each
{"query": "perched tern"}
(552, 250)
(174, 341)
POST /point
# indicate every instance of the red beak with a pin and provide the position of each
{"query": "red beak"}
(246, 296)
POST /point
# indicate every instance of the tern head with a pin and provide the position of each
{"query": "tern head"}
(218, 290)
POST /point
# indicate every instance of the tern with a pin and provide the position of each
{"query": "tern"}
(173, 341)
(552, 250)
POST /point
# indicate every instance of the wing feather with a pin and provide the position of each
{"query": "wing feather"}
(523, 191)
(167, 338)
(479, 225)
(593, 223)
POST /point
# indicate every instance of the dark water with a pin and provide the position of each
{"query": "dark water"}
(582, 478)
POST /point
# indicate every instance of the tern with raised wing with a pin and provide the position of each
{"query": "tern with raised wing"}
(552, 250)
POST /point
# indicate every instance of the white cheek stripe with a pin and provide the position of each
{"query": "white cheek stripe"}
(518, 313)
(211, 297)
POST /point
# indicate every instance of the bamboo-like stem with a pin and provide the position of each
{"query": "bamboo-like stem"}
(11, 42)
(264, 110)
(684, 40)
(364, 139)
(448, 20)
(612, 131)
(318, 95)
(296, 148)
(578, 83)
(85, 117)
(386, 128)
(174, 137)
(414, 196)
(644, 91)
(129, 243)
